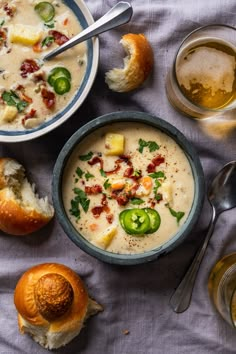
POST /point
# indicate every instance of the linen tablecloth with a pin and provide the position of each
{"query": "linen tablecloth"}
(135, 299)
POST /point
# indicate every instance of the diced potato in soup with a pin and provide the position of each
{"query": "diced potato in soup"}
(132, 202)
(33, 91)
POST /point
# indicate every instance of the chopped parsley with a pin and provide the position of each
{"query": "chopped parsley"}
(79, 172)
(49, 25)
(47, 41)
(88, 176)
(157, 195)
(151, 145)
(106, 184)
(103, 173)
(136, 201)
(177, 214)
(86, 157)
(137, 173)
(12, 99)
(2, 23)
(80, 199)
(158, 174)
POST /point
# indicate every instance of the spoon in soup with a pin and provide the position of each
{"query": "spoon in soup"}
(118, 15)
(222, 197)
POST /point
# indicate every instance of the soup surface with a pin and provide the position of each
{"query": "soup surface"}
(33, 91)
(128, 188)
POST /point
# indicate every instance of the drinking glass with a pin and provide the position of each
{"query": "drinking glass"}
(202, 80)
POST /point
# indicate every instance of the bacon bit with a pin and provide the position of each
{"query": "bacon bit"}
(28, 66)
(49, 98)
(22, 94)
(9, 10)
(151, 168)
(128, 172)
(97, 211)
(93, 189)
(110, 218)
(37, 48)
(59, 37)
(104, 200)
(39, 77)
(95, 160)
(122, 199)
(3, 37)
(158, 160)
(65, 22)
(93, 227)
(29, 115)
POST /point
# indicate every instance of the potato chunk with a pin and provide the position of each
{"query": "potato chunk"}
(8, 114)
(167, 192)
(114, 144)
(24, 34)
(104, 240)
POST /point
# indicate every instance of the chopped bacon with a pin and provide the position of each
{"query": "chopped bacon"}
(110, 218)
(97, 211)
(22, 94)
(156, 161)
(3, 37)
(128, 172)
(28, 66)
(29, 115)
(37, 77)
(151, 168)
(9, 10)
(93, 189)
(122, 199)
(49, 98)
(95, 160)
(59, 37)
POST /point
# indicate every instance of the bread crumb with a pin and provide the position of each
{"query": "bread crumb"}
(125, 331)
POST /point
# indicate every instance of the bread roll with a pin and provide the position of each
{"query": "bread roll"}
(21, 210)
(137, 64)
(52, 304)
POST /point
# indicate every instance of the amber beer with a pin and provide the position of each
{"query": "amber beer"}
(222, 288)
(203, 79)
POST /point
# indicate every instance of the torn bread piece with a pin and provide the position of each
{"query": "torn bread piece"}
(22, 211)
(137, 64)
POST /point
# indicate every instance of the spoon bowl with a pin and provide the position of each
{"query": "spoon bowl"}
(222, 197)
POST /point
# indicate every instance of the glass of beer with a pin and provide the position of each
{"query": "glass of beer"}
(222, 288)
(202, 80)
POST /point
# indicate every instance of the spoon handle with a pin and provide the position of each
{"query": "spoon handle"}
(181, 298)
(116, 16)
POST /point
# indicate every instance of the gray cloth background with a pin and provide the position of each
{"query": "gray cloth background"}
(134, 298)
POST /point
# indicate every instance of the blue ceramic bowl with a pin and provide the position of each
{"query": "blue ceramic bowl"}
(83, 132)
(85, 18)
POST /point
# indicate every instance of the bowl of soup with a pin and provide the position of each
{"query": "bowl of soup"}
(38, 95)
(128, 187)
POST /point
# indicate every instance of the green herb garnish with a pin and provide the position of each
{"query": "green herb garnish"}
(103, 173)
(49, 25)
(152, 145)
(177, 214)
(47, 41)
(88, 176)
(157, 195)
(106, 184)
(2, 23)
(136, 201)
(79, 199)
(79, 172)
(137, 173)
(12, 99)
(158, 174)
(86, 157)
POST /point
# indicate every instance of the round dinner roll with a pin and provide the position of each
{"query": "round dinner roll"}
(137, 64)
(52, 304)
(21, 210)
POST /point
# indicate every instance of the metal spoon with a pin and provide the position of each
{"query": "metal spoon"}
(118, 15)
(222, 197)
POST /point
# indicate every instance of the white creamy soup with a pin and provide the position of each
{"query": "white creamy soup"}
(128, 188)
(33, 91)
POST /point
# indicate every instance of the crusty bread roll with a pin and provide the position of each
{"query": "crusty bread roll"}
(21, 210)
(137, 64)
(52, 304)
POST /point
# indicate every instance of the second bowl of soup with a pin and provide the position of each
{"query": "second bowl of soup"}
(128, 187)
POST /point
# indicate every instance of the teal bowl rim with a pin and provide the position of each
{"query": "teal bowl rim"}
(165, 127)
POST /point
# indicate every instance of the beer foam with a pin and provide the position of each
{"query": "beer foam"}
(210, 67)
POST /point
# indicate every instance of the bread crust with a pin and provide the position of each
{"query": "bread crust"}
(137, 66)
(16, 218)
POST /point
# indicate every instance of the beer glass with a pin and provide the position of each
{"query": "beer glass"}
(202, 80)
(222, 288)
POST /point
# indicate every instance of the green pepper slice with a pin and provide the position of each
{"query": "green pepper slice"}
(155, 220)
(136, 221)
(61, 85)
(45, 10)
(57, 72)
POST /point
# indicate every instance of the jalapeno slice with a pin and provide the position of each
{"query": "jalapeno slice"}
(121, 217)
(57, 72)
(61, 85)
(136, 221)
(155, 220)
(45, 10)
